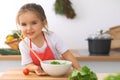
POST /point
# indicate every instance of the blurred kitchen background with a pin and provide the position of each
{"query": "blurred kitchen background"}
(91, 16)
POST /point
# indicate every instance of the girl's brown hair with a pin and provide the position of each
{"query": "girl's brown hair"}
(37, 9)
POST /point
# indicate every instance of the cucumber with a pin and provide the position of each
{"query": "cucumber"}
(7, 51)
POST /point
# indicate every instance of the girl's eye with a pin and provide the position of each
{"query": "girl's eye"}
(23, 24)
(34, 22)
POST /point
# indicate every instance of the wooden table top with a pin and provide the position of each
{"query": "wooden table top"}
(16, 74)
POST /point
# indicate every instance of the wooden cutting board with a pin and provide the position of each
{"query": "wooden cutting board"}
(16, 74)
(115, 33)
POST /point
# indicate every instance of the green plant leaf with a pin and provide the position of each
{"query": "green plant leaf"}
(83, 74)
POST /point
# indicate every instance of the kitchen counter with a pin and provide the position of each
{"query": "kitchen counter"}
(80, 55)
(16, 73)
(97, 63)
(83, 55)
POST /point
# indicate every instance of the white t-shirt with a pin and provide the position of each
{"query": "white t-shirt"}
(55, 43)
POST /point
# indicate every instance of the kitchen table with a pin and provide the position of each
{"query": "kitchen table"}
(16, 74)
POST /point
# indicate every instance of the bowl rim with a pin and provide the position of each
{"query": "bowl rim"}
(68, 62)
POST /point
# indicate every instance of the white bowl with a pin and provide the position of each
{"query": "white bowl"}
(56, 69)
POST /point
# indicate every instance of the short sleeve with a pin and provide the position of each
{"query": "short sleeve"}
(25, 53)
(60, 46)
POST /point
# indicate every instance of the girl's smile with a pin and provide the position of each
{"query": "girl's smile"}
(30, 33)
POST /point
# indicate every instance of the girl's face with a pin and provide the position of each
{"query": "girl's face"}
(30, 25)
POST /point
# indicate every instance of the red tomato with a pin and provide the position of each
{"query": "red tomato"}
(26, 71)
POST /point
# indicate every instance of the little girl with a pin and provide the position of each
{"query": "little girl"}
(32, 21)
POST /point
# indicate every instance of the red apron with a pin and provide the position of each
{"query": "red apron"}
(46, 55)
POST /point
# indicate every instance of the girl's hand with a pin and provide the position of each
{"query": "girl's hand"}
(39, 71)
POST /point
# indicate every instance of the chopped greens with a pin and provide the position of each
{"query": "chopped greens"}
(84, 74)
(54, 62)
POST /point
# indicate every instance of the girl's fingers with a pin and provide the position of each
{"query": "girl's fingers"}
(42, 73)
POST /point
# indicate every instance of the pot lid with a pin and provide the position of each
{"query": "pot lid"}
(100, 35)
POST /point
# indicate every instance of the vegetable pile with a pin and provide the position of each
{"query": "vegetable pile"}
(112, 77)
(13, 36)
(84, 74)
